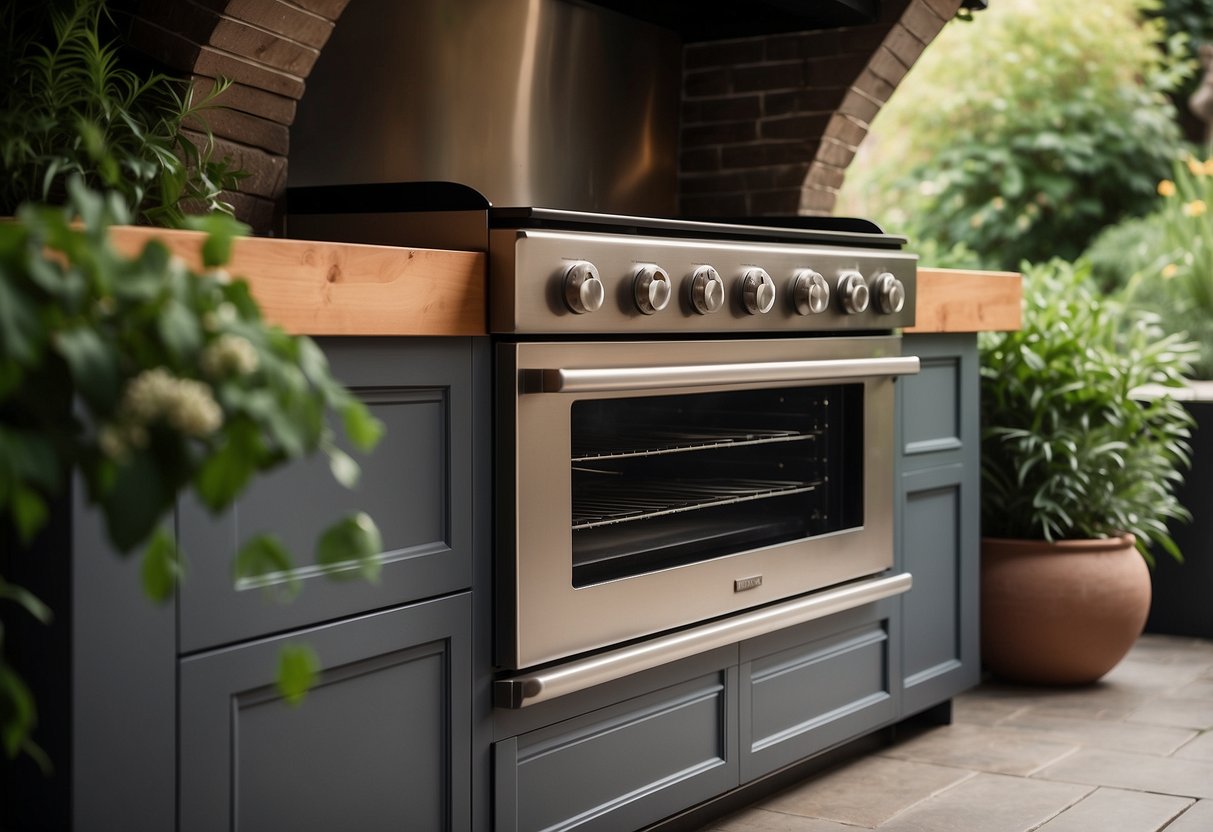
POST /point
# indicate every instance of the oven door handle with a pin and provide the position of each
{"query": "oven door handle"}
(605, 380)
(529, 688)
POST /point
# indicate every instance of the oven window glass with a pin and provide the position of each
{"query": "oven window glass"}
(664, 481)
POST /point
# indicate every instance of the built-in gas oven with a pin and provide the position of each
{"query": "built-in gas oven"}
(693, 439)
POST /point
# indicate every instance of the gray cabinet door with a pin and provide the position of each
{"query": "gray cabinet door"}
(938, 470)
(816, 685)
(417, 486)
(382, 742)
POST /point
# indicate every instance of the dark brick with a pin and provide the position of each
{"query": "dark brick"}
(944, 8)
(245, 129)
(904, 45)
(774, 203)
(802, 45)
(892, 10)
(835, 72)
(862, 40)
(805, 127)
(284, 18)
(713, 183)
(858, 106)
(835, 153)
(874, 87)
(330, 9)
(250, 100)
(264, 47)
(258, 212)
(173, 50)
(845, 130)
(825, 176)
(723, 133)
(923, 22)
(777, 76)
(886, 65)
(192, 22)
(759, 154)
(816, 201)
(724, 53)
(811, 100)
(699, 160)
(710, 110)
(706, 82)
(266, 171)
(713, 205)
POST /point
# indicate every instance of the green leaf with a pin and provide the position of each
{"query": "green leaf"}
(93, 364)
(162, 568)
(29, 512)
(18, 714)
(345, 469)
(137, 500)
(25, 599)
(228, 469)
(265, 561)
(221, 230)
(180, 330)
(298, 667)
(351, 547)
(363, 429)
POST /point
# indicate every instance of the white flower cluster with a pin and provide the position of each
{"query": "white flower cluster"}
(228, 354)
(157, 395)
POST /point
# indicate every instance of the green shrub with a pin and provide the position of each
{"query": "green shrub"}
(1068, 450)
(1025, 132)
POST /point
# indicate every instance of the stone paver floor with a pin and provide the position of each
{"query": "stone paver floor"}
(1133, 753)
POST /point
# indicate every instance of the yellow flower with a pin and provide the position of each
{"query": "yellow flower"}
(1195, 208)
(1208, 167)
(1196, 166)
(1169, 271)
(1166, 188)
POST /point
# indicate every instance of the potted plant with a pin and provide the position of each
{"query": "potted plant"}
(1079, 477)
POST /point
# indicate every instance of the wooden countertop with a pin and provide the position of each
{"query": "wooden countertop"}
(322, 288)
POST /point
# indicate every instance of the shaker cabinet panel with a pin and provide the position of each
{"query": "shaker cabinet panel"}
(381, 742)
(416, 485)
(623, 766)
(835, 683)
(938, 516)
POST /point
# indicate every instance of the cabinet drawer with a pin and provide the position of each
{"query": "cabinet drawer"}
(621, 767)
(416, 485)
(805, 697)
(381, 742)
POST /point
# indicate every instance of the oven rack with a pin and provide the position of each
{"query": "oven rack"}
(590, 447)
(608, 502)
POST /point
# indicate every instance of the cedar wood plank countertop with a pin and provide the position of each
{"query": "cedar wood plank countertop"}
(321, 288)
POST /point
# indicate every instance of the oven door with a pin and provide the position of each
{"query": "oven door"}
(648, 486)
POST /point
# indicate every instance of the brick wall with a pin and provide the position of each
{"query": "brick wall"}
(769, 124)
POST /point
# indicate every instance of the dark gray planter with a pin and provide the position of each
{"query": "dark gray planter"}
(1183, 592)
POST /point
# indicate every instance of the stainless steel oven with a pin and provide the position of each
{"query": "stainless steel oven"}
(651, 485)
(693, 422)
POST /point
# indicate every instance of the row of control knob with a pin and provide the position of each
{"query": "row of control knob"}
(652, 290)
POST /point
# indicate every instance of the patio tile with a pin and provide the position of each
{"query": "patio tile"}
(762, 820)
(1199, 818)
(981, 748)
(1124, 811)
(866, 792)
(989, 803)
(1119, 736)
(1150, 677)
(1173, 649)
(982, 710)
(1098, 701)
(1202, 689)
(1142, 772)
(1200, 748)
(1180, 713)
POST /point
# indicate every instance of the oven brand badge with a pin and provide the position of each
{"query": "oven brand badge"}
(742, 584)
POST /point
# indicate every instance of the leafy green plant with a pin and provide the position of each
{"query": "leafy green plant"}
(1068, 449)
(69, 106)
(145, 380)
(1025, 132)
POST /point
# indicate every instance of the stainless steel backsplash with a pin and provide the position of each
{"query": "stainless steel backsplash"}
(531, 102)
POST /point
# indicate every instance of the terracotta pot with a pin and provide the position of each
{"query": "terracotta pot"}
(1060, 613)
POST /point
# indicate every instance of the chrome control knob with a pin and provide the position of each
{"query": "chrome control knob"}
(707, 290)
(583, 290)
(652, 289)
(890, 293)
(810, 292)
(757, 292)
(854, 292)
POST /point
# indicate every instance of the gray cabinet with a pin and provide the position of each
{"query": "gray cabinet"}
(417, 485)
(938, 481)
(381, 742)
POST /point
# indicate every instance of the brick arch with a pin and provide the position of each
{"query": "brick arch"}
(769, 124)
